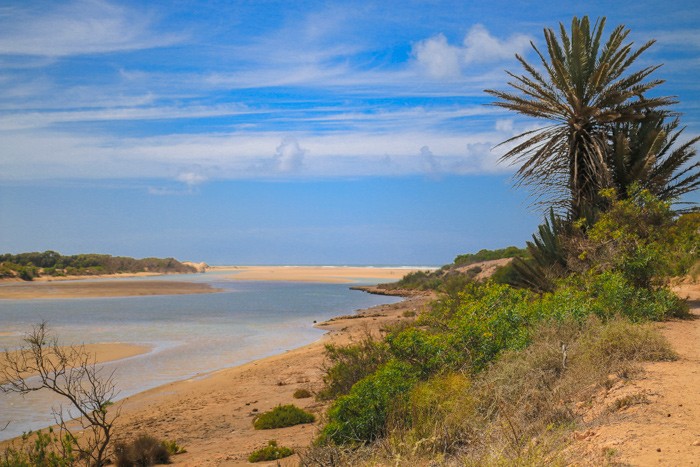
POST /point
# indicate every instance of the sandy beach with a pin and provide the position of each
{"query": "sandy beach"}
(328, 274)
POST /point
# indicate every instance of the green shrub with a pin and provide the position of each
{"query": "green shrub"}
(271, 452)
(40, 449)
(282, 416)
(427, 352)
(301, 393)
(173, 448)
(349, 364)
(144, 451)
(488, 255)
(361, 415)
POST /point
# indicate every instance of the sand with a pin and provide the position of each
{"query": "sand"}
(105, 352)
(329, 274)
(99, 289)
(77, 287)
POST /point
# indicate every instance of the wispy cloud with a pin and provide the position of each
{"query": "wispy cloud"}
(76, 28)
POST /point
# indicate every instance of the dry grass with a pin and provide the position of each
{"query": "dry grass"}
(520, 410)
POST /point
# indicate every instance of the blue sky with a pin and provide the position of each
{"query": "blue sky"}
(240, 132)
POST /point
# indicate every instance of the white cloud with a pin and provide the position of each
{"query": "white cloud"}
(192, 178)
(191, 159)
(432, 165)
(437, 57)
(289, 156)
(58, 29)
(481, 46)
(441, 60)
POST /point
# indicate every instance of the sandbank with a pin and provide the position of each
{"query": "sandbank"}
(107, 351)
(97, 289)
(328, 274)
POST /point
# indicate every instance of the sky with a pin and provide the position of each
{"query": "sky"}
(277, 132)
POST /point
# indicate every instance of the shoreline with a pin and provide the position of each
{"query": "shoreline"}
(99, 289)
(211, 414)
(325, 274)
(112, 285)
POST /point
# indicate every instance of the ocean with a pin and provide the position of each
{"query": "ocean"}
(190, 335)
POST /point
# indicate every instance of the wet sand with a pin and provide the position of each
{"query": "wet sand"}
(99, 289)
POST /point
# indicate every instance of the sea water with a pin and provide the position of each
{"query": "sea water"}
(190, 335)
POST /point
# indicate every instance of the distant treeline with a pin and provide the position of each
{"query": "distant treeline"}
(27, 266)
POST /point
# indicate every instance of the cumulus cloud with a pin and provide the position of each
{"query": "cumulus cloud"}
(289, 156)
(432, 165)
(438, 58)
(441, 60)
(481, 46)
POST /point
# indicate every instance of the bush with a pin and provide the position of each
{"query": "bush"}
(141, 452)
(438, 417)
(282, 416)
(623, 341)
(173, 448)
(301, 393)
(361, 415)
(271, 452)
(40, 449)
(349, 364)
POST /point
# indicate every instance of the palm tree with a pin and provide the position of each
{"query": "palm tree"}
(642, 153)
(583, 89)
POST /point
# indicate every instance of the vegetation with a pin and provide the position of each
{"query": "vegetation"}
(454, 276)
(301, 393)
(584, 90)
(271, 452)
(493, 366)
(27, 266)
(40, 449)
(143, 451)
(346, 365)
(282, 416)
(490, 255)
(72, 373)
(173, 447)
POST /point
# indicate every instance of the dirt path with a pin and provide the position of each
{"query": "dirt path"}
(663, 427)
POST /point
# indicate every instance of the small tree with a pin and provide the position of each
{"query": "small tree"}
(71, 372)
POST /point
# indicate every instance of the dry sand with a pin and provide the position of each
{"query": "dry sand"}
(331, 274)
(98, 289)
